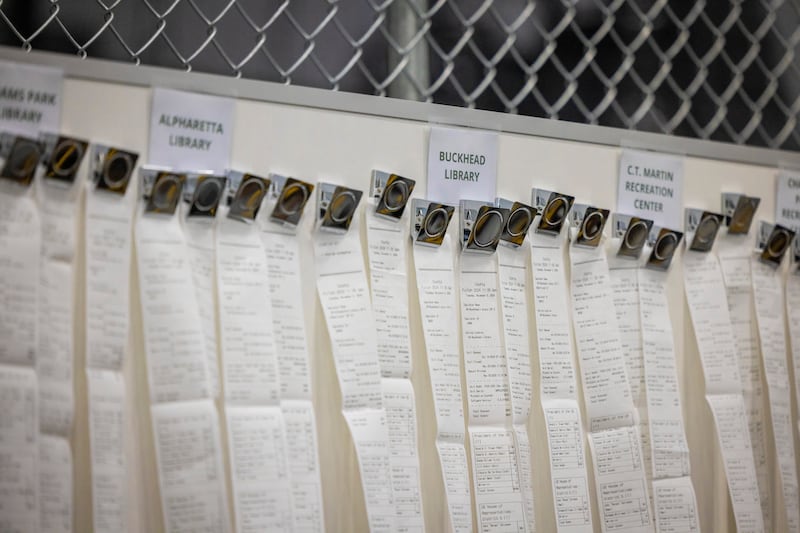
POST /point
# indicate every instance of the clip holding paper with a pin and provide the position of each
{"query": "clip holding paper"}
(62, 158)
(481, 226)
(663, 249)
(430, 221)
(590, 222)
(703, 227)
(554, 209)
(519, 220)
(290, 196)
(21, 157)
(112, 168)
(633, 232)
(336, 206)
(739, 210)
(161, 190)
(204, 193)
(391, 192)
(773, 242)
(246, 193)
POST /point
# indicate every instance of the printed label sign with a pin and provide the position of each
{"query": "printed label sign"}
(190, 131)
(651, 186)
(462, 165)
(787, 200)
(30, 98)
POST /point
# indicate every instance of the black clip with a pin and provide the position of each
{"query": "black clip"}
(336, 206)
(430, 222)
(703, 226)
(392, 193)
(112, 168)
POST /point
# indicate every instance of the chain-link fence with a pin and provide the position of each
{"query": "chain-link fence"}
(716, 69)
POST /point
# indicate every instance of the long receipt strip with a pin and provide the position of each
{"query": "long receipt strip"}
(559, 388)
(294, 366)
(495, 472)
(438, 301)
(185, 419)
(673, 494)
(387, 242)
(705, 295)
(622, 494)
(20, 240)
(58, 203)
(201, 245)
(769, 304)
(793, 320)
(623, 275)
(255, 426)
(513, 274)
(344, 295)
(734, 253)
(109, 218)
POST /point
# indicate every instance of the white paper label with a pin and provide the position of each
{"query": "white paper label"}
(462, 164)
(787, 201)
(30, 98)
(651, 186)
(190, 131)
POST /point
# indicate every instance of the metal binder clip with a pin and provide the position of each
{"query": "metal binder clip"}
(481, 226)
(112, 168)
(663, 249)
(590, 222)
(554, 208)
(62, 157)
(739, 211)
(392, 193)
(336, 206)
(773, 241)
(633, 232)
(520, 217)
(161, 190)
(430, 222)
(290, 196)
(703, 227)
(246, 193)
(204, 194)
(21, 157)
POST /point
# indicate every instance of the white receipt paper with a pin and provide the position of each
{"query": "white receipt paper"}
(438, 302)
(559, 388)
(705, 295)
(344, 295)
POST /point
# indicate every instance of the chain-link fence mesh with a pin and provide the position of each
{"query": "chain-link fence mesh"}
(716, 69)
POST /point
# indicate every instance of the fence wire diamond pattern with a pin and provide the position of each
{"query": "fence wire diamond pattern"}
(715, 69)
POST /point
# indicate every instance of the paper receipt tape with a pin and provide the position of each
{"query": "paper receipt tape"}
(161, 190)
(429, 221)
(739, 211)
(336, 206)
(773, 242)
(391, 194)
(702, 228)
(62, 158)
(482, 225)
(519, 220)
(20, 158)
(112, 168)
(590, 222)
(633, 233)
(553, 208)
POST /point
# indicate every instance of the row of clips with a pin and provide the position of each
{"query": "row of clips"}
(483, 225)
